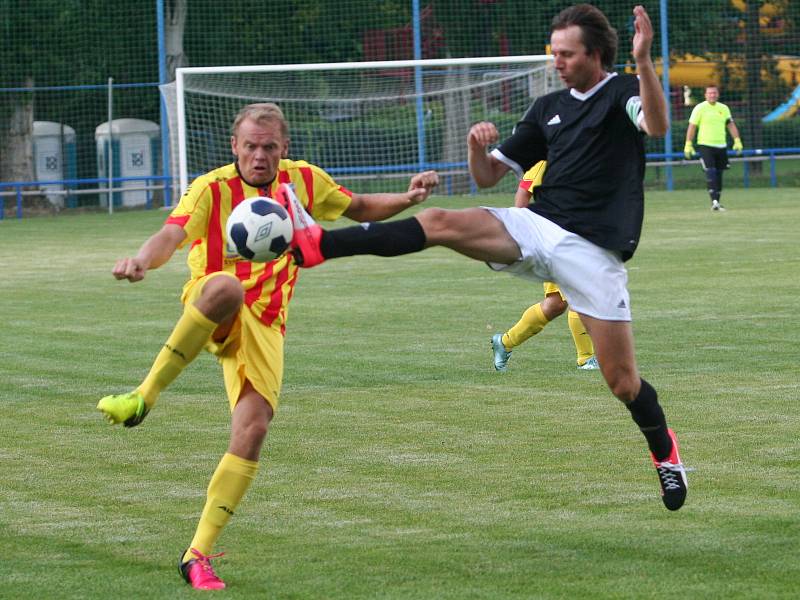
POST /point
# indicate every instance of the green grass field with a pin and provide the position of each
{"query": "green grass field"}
(400, 465)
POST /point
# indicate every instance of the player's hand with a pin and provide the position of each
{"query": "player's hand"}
(643, 34)
(481, 135)
(131, 269)
(688, 150)
(422, 185)
(737, 146)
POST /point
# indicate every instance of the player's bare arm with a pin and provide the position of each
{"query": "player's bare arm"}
(485, 169)
(733, 130)
(377, 207)
(522, 198)
(654, 106)
(156, 251)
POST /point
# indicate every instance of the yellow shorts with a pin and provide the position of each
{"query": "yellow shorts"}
(251, 352)
(552, 288)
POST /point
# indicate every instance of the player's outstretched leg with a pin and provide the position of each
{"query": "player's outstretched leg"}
(305, 244)
(129, 409)
(672, 476)
(312, 245)
(198, 572)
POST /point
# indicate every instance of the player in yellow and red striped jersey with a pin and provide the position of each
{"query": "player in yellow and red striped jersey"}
(535, 318)
(235, 308)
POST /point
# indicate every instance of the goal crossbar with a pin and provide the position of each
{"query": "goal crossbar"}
(418, 65)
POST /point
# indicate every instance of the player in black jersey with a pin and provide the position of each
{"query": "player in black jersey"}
(587, 215)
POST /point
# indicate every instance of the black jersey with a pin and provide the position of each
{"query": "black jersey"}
(593, 185)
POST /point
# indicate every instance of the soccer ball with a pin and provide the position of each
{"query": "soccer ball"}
(259, 230)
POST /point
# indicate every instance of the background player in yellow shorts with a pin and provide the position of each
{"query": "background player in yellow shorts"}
(235, 308)
(537, 316)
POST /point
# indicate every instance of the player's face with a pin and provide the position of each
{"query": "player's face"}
(258, 148)
(712, 95)
(575, 67)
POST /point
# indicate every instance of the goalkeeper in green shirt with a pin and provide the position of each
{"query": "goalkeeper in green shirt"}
(709, 120)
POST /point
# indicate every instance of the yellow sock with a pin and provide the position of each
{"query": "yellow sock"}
(531, 323)
(583, 343)
(190, 334)
(226, 489)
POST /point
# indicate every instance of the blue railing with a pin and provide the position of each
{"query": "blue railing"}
(658, 158)
(78, 188)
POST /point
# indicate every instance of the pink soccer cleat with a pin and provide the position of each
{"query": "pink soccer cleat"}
(198, 571)
(305, 244)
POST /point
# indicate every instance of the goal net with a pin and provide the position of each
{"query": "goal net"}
(370, 125)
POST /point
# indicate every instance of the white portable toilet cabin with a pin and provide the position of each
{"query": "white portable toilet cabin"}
(134, 152)
(54, 158)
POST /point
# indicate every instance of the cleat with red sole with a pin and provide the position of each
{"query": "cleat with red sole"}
(672, 476)
(198, 571)
(305, 244)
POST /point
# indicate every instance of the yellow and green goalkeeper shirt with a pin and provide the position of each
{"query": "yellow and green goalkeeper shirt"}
(203, 211)
(711, 120)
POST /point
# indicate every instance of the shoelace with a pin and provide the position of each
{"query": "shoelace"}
(669, 474)
(203, 560)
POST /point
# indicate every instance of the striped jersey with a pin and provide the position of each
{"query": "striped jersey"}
(533, 176)
(203, 211)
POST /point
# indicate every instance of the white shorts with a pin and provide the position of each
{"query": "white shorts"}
(593, 280)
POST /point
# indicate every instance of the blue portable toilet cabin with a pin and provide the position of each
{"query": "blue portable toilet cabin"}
(54, 159)
(135, 153)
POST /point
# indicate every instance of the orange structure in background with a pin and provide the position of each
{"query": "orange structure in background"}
(696, 71)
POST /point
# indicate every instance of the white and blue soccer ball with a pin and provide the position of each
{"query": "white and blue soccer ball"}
(259, 230)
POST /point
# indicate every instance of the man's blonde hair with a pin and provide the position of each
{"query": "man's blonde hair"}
(261, 112)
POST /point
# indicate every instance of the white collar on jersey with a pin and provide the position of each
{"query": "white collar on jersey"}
(586, 95)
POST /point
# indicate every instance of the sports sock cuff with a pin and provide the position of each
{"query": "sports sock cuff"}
(381, 239)
(239, 465)
(199, 318)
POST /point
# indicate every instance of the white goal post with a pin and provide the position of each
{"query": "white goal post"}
(357, 120)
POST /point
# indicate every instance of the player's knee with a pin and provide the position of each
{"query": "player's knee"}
(435, 222)
(221, 298)
(553, 306)
(440, 225)
(623, 383)
(250, 436)
(257, 431)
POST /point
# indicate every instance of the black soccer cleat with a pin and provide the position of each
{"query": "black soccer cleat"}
(672, 476)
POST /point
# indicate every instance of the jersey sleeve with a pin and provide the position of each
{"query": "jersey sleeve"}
(526, 146)
(533, 176)
(631, 101)
(192, 211)
(331, 200)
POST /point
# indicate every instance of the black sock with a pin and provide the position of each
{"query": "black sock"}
(712, 181)
(647, 414)
(382, 239)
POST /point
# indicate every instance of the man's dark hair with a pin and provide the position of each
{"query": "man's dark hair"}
(596, 32)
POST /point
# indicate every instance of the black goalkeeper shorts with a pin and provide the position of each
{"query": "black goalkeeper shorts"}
(713, 158)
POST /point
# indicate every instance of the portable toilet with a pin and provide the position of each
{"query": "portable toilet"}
(134, 152)
(54, 158)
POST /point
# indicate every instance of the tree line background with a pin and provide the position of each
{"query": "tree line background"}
(51, 46)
